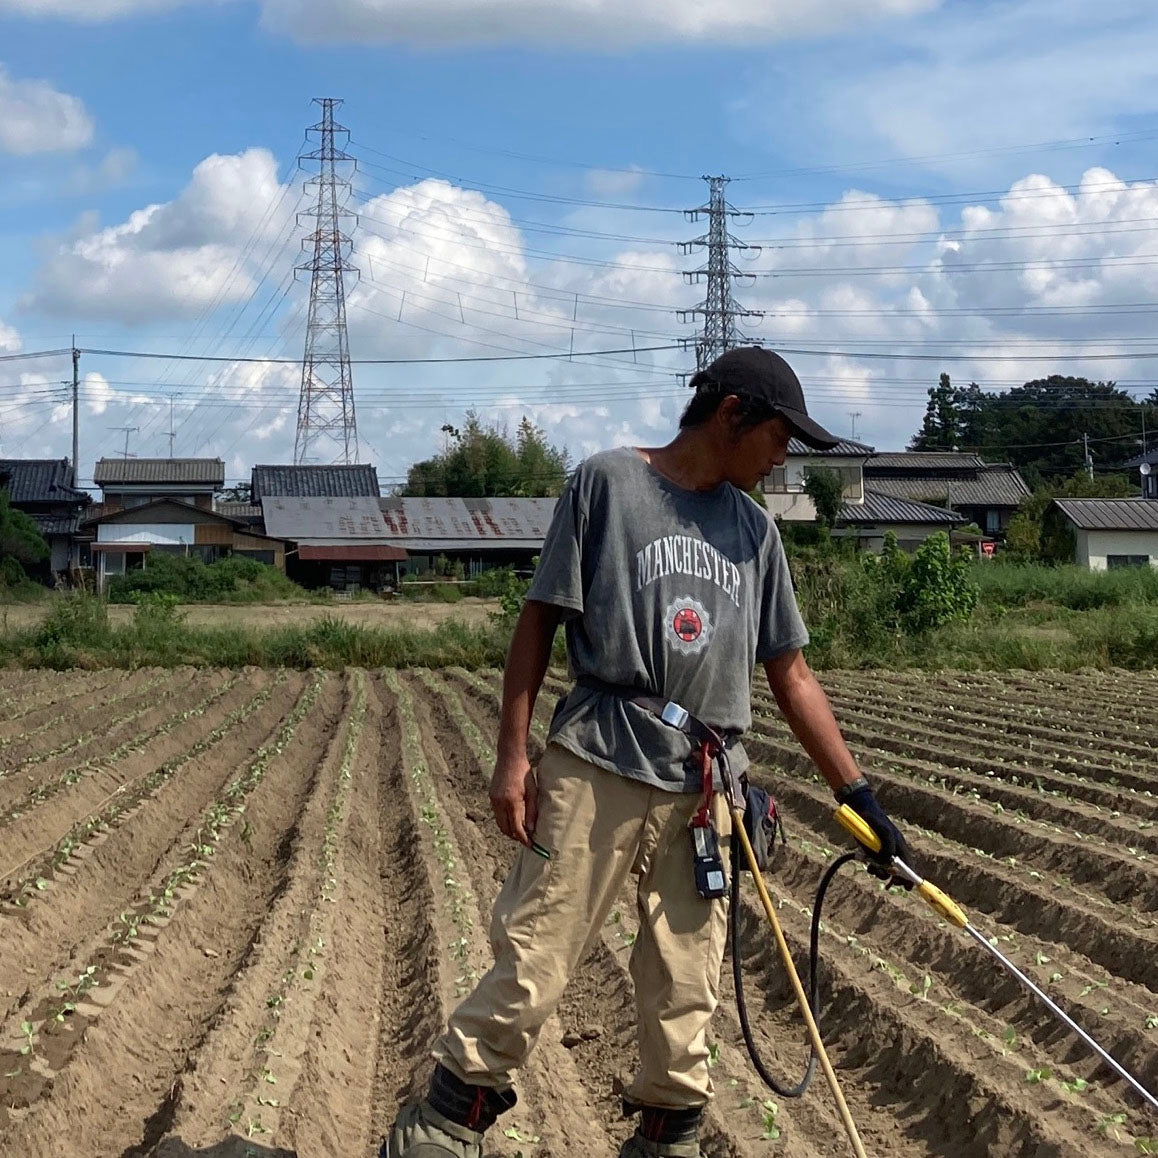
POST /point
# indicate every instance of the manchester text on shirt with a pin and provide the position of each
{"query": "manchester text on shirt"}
(684, 555)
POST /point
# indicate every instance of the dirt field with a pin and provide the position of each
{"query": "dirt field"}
(381, 613)
(235, 908)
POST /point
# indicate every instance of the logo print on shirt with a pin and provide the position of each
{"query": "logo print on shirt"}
(689, 626)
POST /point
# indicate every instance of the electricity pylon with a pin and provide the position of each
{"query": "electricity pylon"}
(719, 309)
(327, 430)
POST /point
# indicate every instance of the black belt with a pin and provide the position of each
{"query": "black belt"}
(703, 737)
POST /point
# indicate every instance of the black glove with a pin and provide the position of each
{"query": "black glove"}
(862, 801)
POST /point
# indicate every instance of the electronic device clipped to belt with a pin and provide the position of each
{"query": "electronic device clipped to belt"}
(711, 881)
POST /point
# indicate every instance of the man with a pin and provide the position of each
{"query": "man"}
(669, 580)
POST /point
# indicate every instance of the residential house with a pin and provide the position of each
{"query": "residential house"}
(867, 514)
(986, 493)
(43, 489)
(477, 533)
(1111, 533)
(338, 542)
(132, 482)
(124, 539)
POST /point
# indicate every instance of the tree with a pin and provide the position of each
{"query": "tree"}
(21, 543)
(941, 426)
(1031, 535)
(481, 461)
(241, 493)
(824, 488)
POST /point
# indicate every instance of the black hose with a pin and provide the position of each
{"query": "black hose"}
(813, 973)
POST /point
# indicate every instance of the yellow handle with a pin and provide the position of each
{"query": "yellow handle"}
(858, 828)
(854, 824)
(944, 904)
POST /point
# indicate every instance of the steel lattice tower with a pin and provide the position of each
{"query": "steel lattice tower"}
(719, 309)
(327, 430)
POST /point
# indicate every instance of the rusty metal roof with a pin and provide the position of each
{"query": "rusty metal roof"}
(298, 518)
(508, 521)
(210, 471)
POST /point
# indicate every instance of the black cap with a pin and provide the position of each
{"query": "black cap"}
(762, 374)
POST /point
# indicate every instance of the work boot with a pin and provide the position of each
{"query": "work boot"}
(638, 1146)
(422, 1132)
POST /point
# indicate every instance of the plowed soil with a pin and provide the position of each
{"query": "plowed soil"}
(236, 907)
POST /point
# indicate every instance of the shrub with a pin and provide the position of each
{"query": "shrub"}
(230, 580)
(937, 587)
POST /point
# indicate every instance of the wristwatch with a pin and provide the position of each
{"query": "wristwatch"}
(846, 790)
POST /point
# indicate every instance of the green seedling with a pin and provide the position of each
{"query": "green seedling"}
(1010, 1037)
(1146, 1145)
(1055, 977)
(516, 1135)
(921, 988)
(771, 1131)
(1152, 1021)
(1077, 1086)
(1040, 958)
(714, 1053)
(1034, 1077)
(29, 1031)
(1107, 1122)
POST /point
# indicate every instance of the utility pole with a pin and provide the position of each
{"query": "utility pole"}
(127, 430)
(1089, 458)
(327, 430)
(171, 433)
(75, 412)
(854, 415)
(718, 309)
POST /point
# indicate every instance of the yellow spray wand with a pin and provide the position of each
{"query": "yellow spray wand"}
(946, 907)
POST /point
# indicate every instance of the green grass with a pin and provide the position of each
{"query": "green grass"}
(1072, 587)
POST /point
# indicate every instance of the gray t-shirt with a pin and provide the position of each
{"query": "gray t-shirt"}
(677, 593)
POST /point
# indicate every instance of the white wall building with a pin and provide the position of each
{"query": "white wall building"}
(1112, 533)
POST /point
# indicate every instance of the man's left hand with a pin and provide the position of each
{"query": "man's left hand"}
(893, 844)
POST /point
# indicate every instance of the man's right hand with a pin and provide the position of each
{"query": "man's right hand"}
(514, 797)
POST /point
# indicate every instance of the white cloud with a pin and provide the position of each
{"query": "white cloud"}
(613, 182)
(37, 118)
(9, 339)
(600, 24)
(174, 259)
(87, 10)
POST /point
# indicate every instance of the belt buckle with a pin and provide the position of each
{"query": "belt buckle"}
(674, 715)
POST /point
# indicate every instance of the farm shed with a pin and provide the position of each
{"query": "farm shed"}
(42, 488)
(1112, 533)
(478, 533)
(340, 542)
(122, 540)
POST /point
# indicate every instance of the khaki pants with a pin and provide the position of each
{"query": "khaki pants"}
(600, 827)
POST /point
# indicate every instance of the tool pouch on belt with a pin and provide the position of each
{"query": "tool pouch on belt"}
(761, 822)
(761, 815)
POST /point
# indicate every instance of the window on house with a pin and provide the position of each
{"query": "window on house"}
(778, 480)
(1113, 562)
(992, 521)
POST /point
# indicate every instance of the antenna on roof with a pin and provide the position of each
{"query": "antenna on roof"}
(854, 415)
(128, 430)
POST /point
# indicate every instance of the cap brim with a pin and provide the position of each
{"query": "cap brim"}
(809, 432)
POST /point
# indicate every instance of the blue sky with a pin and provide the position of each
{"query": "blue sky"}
(885, 142)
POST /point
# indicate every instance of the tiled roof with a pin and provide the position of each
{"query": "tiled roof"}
(994, 485)
(40, 480)
(925, 460)
(210, 471)
(846, 448)
(1111, 514)
(878, 508)
(56, 524)
(301, 518)
(359, 480)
